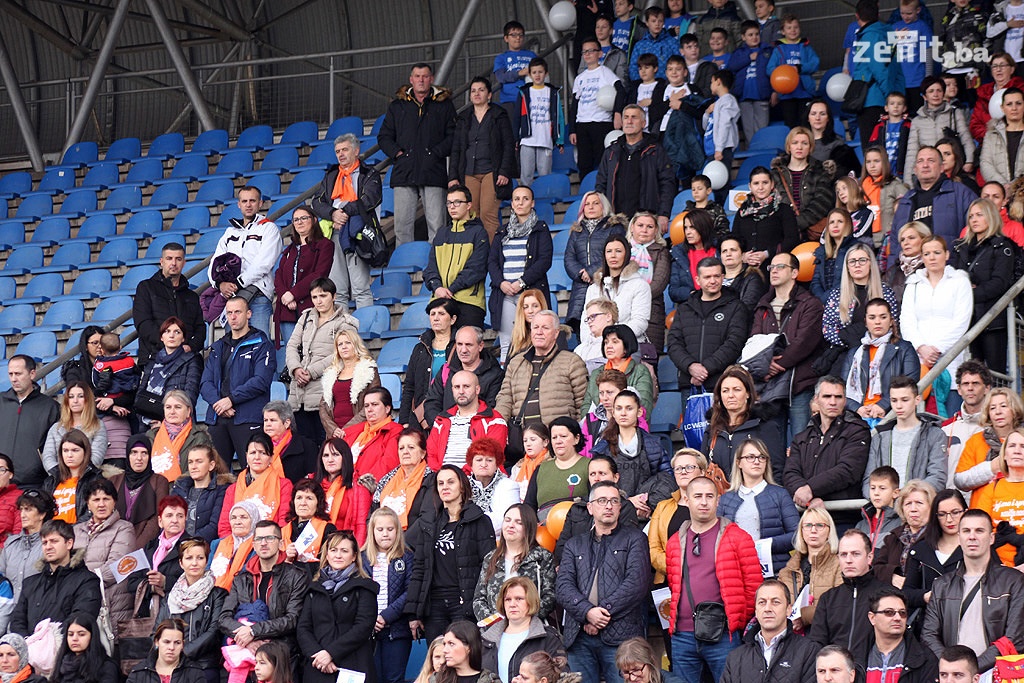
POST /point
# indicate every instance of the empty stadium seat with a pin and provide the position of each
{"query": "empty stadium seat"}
(15, 318)
(78, 203)
(144, 224)
(321, 156)
(11, 234)
(347, 124)
(679, 203)
(61, 315)
(393, 383)
(559, 241)
(668, 408)
(565, 160)
(169, 196)
(207, 243)
(56, 180)
(123, 150)
(192, 218)
(410, 257)
(234, 164)
(588, 182)
(278, 390)
(15, 184)
(668, 374)
(188, 168)
(768, 139)
(8, 288)
(108, 310)
(39, 345)
(277, 161)
(144, 172)
(133, 277)
(230, 211)
(394, 355)
(101, 176)
(391, 290)
(559, 280)
(68, 258)
(211, 142)
(373, 321)
(96, 228)
(255, 138)
(24, 259)
(214, 192)
(166, 146)
(298, 134)
(153, 250)
(304, 180)
(414, 322)
(88, 285)
(122, 200)
(117, 252)
(752, 162)
(34, 208)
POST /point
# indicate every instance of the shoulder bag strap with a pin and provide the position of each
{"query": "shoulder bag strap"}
(789, 193)
(686, 573)
(970, 598)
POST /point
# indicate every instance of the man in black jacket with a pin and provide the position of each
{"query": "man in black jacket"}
(469, 355)
(164, 295)
(636, 173)
(978, 603)
(771, 649)
(842, 614)
(709, 331)
(282, 585)
(892, 648)
(27, 415)
(63, 586)
(827, 460)
(417, 132)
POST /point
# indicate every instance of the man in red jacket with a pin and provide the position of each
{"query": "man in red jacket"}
(710, 560)
(469, 419)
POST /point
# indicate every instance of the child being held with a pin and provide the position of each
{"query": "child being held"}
(114, 373)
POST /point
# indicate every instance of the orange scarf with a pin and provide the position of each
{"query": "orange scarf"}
(621, 365)
(335, 493)
(279, 448)
(400, 490)
(229, 561)
(166, 458)
(265, 491)
(527, 466)
(314, 549)
(22, 675)
(344, 188)
(370, 431)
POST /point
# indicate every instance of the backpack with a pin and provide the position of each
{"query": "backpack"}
(371, 245)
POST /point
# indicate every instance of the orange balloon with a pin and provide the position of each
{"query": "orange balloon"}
(805, 255)
(785, 79)
(669, 318)
(545, 539)
(675, 228)
(556, 517)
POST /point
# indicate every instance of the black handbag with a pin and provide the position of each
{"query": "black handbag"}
(856, 97)
(148, 404)
(710, 622)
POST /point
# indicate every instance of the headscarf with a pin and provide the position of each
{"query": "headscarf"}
(254, 512)
(21, 647)
(133, 479)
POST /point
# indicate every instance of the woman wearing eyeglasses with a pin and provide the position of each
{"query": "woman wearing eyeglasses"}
(912, 506)
(757, 504)
(938, 551)
(815, 562)
(670, 513)
(308, 258)
(637, 663)
(843, 320)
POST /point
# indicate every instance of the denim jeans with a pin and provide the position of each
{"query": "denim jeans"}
(593, 659)
(689, 655)
(390, 659)
(261, 311)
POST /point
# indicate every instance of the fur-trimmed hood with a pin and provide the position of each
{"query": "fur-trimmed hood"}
(361, 379)
(77, 560)
(437, 93)
(781, 163)
(631, 271)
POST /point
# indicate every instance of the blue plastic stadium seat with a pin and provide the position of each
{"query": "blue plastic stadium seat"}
(559, 241)
(387, 201)
(214, 192)
(278, 160)
(588, 183)
(668, 374)
(88, 285)
(80, 154)
(38, 345)
(56, 180)
(144, 172)
(391, 290)
(166, 146)
(144, 224)
(373, 321)
(101, 176)
(11, 233)
(97, 228)
(15, 318)
(15, 184)
(24, 259)
(679, 203)
(132, 278)
(192, 218)
(211, 142)
(558, 279)
(255, 138)
(230, 211)
(347, 124)
(207, 243)
(169, 196)
(41, 288)
(393, 383)
(50, 231)
(61, 315)
(234, 164)
(565, 160)
(278, 390)
(8, 288)
(768, 139)
(304, 180)
(117, 252)
(188, 168)
(545, 211)
(155, 247)
(268, 184)
(321, 156)
(298, 134)
(122, 200)
(554, 186)
(78, 203)
(108, 310)
(394, 355)
(123, 150)
(68, 258)
(668, 408)
(413, 323)
(410, 257)
(34, 208)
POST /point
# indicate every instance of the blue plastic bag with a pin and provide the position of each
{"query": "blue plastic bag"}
(695, 416)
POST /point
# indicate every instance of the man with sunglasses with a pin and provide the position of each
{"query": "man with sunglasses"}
(281, 585)
(602, 585)
(893, 652)
(710, 560)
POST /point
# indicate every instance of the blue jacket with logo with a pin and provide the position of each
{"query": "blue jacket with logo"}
(873, 63)
(253, 367)
(739, 62)
(804, 58)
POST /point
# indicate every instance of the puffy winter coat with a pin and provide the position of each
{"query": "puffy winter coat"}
(561, 390)
(585, 252)
(842, 614)
(778, 517)
(995, 158)
(98, 442)
(378, 456)
(831, 463)
(156, 300)
(340, 622)
(928, 453)
(419, 136)
(980, 116)
(145, 671)
(884, 75)
(202, 633)
(183, 369)
(712, 335)
(538, 565)
(900, 358)
(622, 583)
(648, 472)
(289, 587)
(56, 594)
(793, 660)
(736, 568)
(311, 347)
(539, 251)
(824, 574)
(539, 638)
(114, 539)
(474, 539)
(579, 522)
(418, 375)
(399, 575)
(817, 192)
(19, 558)
(928, 126)
(938, 315)
(632, 295)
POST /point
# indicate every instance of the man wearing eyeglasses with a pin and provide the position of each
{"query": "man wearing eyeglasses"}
(978, 603)
(602, 585)
(281, 585)
(709, 561)
(893, 652)
(457, 265)
(841, 616)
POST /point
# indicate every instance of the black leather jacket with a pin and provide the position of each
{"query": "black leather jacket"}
(202, 633)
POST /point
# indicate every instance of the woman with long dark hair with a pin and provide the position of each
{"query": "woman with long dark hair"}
(81, 657)
(938, 551)
(463, 656)
(765, 222)
(308, 525)
(698, 243)
(618, 279)
(347, 503)
(517, 554)
(308, 258)
(167, 662)
(74, 472)
(736, 415)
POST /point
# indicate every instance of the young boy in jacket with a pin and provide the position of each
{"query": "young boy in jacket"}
(657, 42)
(878, 515)
(749, 66)
(721, 121)
(539, 123)
(512, 67)
(796, 51)
(893, 131)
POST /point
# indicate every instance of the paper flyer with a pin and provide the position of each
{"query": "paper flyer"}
(663, 602)
(127, 565)
(764, 556)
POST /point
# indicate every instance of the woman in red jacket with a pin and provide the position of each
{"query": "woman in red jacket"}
(10, 517)
(306, 259)
(374, 443)
(347, 502)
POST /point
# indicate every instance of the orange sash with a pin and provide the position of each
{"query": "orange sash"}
(314, 549)
(279, 448)
(400, 490)
(344, 188)
(265, 491)
(335, 493)
(166, 459)
(621, 365)
(227, 562)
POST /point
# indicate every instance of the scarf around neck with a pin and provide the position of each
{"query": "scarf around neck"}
(333, 579)
(641, 256)
(908, 264)
(590, 224)
(517, 230)
(185, 598)
(855, 386)
(400, 491)
(167, 445)
(758, 209)
(344, 188)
